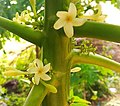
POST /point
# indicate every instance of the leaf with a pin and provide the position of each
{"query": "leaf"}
(79, 100)
(118, 3)
(78, 104)
(0, 44)
(40, 2)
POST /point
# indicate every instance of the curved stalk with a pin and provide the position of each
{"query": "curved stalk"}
(27, 33)
(36, 95)
(99, 30)
(96, 59)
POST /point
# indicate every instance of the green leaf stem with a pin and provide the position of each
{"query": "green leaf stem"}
(94, 59)
(27, 33)
(99, 30)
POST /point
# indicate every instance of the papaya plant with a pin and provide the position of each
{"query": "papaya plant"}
(52, 71)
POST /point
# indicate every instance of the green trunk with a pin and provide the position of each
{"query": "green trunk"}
(56, 48)
(56, 53)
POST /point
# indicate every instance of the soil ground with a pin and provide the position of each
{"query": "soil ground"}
(115, 101)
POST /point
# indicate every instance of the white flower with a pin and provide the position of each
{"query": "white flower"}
(68, 19)
(39, 70)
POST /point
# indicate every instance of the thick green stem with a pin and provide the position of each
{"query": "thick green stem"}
(56, 48)
(36, 95)
(99, 30)
(94, 59)
(56, 53)
(27, 33)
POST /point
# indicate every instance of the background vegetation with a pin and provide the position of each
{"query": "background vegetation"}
(91, 83)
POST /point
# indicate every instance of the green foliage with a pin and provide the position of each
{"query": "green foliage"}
(78, 104)
(76, 100)
(91, 81)
(24, 58)
(9, 8)
(17, 96)
(14, 100)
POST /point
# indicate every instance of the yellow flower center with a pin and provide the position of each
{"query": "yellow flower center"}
(69, 18)
(40, 70)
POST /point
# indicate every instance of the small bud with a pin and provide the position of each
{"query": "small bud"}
(51, 88)
(76, 69)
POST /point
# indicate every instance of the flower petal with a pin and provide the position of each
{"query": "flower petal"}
(38, 63)
(62, 14)
(79, 21)
(59, 24)
(46, 68)
(100, 18)
(76, 69)
(31, 65)
(45, 77)
(14, 73)
(68, 28)
(36, 78)
(72, 10)
(32, 70)
(99, 10)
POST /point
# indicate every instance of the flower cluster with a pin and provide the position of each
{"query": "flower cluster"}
(23, 17)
